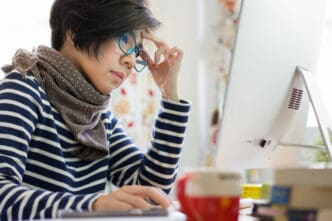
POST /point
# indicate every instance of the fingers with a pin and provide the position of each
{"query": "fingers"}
(149, 36)
(162, 47)
(170, 55)
(152, 193)
(108, 202)
(135, 201)
(164, 50)
(119, 205)
(130, 197)
(157, 56)
(176, 53)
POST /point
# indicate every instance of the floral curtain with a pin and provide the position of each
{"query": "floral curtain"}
(220, 57)
(136, 103)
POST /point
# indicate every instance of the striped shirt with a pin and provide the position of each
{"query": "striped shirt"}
(39, 172)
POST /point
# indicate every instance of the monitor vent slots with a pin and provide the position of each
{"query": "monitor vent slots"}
(295, 99)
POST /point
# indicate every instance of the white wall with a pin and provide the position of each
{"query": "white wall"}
(324, 69)
(23, 24)
(179, 28)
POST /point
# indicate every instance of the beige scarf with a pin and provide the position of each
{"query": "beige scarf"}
(78, 102)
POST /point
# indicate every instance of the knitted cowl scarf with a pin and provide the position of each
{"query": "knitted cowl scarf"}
(77, 101)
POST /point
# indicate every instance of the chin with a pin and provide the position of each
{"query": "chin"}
(105, 91)
(111, 89)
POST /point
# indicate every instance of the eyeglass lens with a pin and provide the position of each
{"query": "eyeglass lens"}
(127, 44)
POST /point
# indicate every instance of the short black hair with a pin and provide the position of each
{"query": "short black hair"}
(92, 22)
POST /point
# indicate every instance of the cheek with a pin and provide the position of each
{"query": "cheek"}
(110, 58)
(109, 51)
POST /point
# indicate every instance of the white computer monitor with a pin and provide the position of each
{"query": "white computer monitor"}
(273, 38)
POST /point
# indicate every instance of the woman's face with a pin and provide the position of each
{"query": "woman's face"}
(111, 68)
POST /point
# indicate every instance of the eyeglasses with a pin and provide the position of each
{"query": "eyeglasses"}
(127, 44)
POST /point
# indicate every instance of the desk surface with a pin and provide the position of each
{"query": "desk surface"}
(174, 216)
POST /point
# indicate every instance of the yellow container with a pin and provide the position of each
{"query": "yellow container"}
(255, 191)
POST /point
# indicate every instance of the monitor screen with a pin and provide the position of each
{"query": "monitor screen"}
(273, 38)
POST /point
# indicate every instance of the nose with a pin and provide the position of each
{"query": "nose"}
(128, 60)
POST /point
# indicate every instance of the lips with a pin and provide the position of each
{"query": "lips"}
(118, 74)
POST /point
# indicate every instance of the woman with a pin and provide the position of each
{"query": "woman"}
(59, 144)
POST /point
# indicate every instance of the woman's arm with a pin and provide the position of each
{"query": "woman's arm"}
(20, 108)
(158, 167)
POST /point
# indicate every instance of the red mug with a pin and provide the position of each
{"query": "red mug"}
(209, 194)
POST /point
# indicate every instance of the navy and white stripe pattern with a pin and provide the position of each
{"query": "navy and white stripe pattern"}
(39, 172)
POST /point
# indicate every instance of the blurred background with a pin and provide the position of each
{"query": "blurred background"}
(204, 29)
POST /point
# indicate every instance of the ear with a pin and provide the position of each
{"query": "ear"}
(69, 37)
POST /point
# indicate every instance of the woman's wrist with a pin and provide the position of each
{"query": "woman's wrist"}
(96, 204)
(171, 97)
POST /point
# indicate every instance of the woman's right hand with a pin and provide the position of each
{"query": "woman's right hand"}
(132, 197)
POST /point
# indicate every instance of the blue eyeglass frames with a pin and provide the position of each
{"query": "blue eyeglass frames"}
(127, 44)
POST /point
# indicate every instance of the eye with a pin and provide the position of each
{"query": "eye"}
(124, 38)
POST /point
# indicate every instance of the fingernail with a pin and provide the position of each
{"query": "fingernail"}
(171, 208)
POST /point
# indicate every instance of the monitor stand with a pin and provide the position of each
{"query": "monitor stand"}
(273, 139)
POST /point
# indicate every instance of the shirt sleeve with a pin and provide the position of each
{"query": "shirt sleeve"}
(158, 166)
(20, 106)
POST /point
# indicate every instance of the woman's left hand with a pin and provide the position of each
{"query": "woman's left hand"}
(166, 72)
